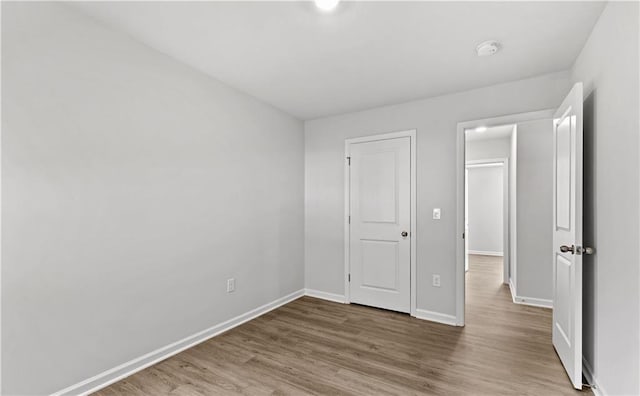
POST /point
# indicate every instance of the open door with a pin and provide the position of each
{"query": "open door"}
(567, 234)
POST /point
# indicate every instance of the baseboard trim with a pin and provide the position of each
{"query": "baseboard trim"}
(420, 313)
(450, 320)
(486, 253)
(531, 301)
(591, 379)
(535, 302)
(124, 370)
(512, 288)
(339, 298)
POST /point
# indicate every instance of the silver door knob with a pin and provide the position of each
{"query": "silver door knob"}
(565, 249)
(404, 234)
(588, 250)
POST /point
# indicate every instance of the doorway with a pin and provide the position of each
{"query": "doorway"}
(487, 210)
(380, 221)
(488, 150)
(480, 130)
(553, 149)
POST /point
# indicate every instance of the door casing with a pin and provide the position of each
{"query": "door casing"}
(413, 205)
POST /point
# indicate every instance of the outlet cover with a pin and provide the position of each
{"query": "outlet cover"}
(436, 280)
(231, 285)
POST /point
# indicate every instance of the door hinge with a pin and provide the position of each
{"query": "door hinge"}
(349, 219)
(349, 161)
(349, 277)
(463, 235)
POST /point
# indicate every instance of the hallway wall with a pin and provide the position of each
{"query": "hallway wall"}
(486, 213)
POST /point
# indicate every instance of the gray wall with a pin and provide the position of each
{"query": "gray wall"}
(487, 149)
(435, 120)
(486, 199)
(534, 212)
(608, 66)
(133, 187)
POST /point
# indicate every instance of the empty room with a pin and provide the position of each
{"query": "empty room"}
(321, 197)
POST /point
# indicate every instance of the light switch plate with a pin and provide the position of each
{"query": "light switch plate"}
(436, 213)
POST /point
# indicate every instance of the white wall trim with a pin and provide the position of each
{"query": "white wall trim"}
(460, 169)
(420, 313)
(512, 288)
(339, 298)
(531, 301)
(486, 253)
(411, 133)
(436, 317)
(591, 379)
(124, 370)
(485, 163)
(534, 302)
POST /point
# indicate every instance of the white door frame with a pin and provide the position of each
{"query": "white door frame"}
(412, 235)
(504, 164)
(460, 168)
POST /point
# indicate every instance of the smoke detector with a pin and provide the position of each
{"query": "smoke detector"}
(488, 48)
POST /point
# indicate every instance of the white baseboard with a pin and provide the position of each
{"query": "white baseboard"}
(339, 298)
(436, 317)
(485, 253)
(115, 374)
(420, 313)
(512, 288)
(532, 301)
(591, 379)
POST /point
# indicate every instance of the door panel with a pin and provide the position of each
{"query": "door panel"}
(563, 285)
(567, 235)
(378, 192)
(379, 206)
(380, 265)
(563, 174)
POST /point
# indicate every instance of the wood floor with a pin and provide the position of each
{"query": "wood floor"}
(312, 346)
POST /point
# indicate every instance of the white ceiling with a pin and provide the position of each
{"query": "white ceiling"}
(494, 132)
(365, 54)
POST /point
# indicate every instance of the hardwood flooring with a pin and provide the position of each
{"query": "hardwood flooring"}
(312, 346)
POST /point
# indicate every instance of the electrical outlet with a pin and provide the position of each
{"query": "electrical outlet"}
(436, 280)
(436, 213)
(231, 285)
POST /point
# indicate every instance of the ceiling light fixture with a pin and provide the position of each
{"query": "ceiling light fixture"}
(481, 129)
(488, 48)
(326, 5)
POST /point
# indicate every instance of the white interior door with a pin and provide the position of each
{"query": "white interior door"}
(380, 210)
(567, 234)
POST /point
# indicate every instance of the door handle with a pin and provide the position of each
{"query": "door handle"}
(587, 250)
(565, 249)
(577, 250)
(404, 234)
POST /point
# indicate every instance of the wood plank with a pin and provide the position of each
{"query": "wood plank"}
(314, 347)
